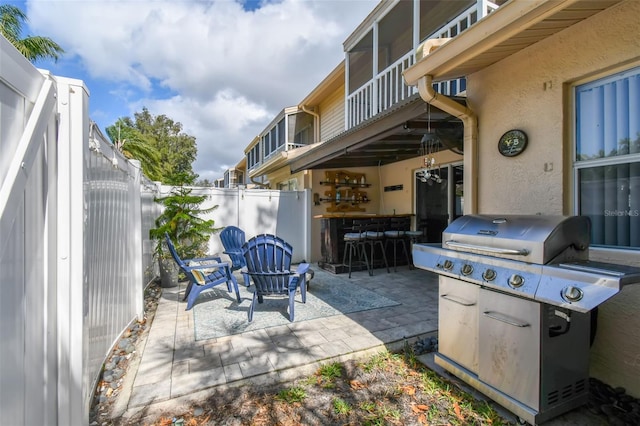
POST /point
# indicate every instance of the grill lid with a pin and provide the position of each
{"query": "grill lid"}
(528, 238)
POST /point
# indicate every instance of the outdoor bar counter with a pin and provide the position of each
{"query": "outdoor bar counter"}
(332, 230)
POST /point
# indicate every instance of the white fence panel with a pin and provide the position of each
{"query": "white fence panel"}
(27, 249)
(113, 251)
(260, 211)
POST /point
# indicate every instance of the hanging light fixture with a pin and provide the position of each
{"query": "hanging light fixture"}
(428, 146)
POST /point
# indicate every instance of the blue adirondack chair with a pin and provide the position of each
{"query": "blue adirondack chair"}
(203, 274)
(232, 239)
(268, 260)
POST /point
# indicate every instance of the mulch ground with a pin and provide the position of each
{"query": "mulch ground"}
(387, 389)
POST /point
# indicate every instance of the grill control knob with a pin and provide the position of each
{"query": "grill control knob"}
(516, 281)
(448, 265)
(572, 294)
(489, 275)
(466, 269)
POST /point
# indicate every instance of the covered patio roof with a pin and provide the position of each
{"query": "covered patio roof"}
(391, 136)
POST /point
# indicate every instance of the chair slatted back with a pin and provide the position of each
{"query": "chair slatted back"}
(174, 253)
(232, 239)
(268, 261)
(197, 277)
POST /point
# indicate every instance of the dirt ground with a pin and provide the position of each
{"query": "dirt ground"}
(388, 389)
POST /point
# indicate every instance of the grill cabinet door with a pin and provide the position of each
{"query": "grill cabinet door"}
(458, 322)
(509, 357)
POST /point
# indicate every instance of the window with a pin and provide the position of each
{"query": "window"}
(395, 34)
(289, 185)
(281, 133)
(360, 60)
(253, 157)
(300, 129)
(607, 161)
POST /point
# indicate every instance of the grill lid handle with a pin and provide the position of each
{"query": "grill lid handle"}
(487, 249)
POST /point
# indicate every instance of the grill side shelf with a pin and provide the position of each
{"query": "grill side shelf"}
(594, 285)
(625, 273)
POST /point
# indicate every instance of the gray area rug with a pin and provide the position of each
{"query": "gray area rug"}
(217, 313)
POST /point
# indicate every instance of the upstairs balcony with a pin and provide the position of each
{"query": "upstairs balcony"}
(385, 48)
(292, 128)
(232, 178)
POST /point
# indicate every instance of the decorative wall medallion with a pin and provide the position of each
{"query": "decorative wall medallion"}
(512, 143)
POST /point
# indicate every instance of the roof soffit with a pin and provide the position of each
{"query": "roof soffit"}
(508, 30)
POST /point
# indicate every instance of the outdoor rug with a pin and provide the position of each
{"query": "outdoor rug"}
(217, 313)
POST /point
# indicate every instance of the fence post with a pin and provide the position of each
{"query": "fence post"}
(136, 238)
(73, 397)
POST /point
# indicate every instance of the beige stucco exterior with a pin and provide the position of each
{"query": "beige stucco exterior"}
(532, 91)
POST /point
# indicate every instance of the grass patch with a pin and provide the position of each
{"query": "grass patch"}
(330, 371)
(340, 406)
(291, 395)
(327, 374)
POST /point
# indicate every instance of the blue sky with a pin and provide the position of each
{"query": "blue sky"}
(222, 68)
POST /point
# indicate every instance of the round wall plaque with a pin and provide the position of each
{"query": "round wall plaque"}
(512, 143)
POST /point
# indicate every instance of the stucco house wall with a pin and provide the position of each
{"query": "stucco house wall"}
(532, 91)
(403, 173)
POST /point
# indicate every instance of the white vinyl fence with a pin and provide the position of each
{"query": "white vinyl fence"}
(74, 226)
(260, 211)
(75, 253)
(28, 256)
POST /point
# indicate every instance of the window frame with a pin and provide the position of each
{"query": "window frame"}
(578, 165)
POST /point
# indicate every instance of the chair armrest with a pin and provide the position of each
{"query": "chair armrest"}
(217, 259)
(207, 266)
(233, 251)
(302, 268)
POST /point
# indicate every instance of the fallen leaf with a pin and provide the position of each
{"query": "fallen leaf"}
(164, 421)
(456, 409)
(357, 385)
(409, 390)
(419, 408)
(422, 419)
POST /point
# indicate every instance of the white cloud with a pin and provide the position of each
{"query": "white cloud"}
(222, 71)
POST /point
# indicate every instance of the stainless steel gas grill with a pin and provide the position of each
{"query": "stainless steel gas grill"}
(516, 295)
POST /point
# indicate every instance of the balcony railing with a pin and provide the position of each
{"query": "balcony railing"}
(388, 88)
(281, 148)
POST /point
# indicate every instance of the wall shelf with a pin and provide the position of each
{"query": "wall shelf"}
(346, 191)
(346, 185)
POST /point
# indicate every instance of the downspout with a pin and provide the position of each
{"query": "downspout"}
(259, 184)
(470, 123)
(316, 127)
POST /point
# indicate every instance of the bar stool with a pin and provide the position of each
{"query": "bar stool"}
(396, 234)
(355, 242)
(374, 238)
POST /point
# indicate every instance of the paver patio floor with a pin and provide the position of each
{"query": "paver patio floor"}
(175, 368)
